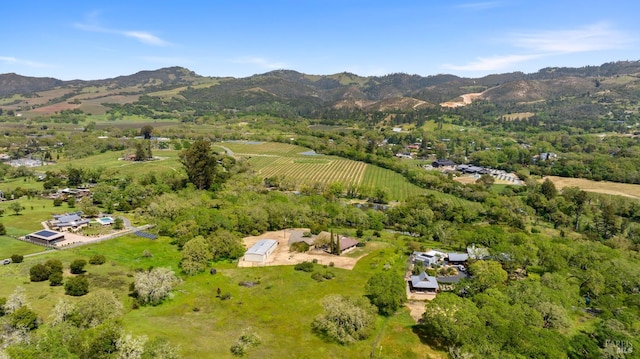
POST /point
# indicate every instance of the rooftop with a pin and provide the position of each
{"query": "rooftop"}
(424, 281)
(262, 246)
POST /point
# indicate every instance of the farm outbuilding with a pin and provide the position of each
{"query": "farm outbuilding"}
(260, 251)
(46, 237)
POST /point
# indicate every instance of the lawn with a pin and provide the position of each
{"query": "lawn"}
(167, 161)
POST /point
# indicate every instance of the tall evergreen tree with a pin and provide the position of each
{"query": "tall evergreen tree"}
(199, 163)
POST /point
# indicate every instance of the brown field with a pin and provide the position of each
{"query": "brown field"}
(612, 188)
(54, 108)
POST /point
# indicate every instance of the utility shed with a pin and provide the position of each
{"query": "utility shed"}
(260, 251)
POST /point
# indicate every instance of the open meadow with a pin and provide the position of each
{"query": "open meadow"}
(280, 308)
(604, 187)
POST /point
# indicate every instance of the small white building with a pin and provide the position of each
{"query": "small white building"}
(260, 251)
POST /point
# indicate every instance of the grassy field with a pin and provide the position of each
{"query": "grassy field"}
(604, 187)
(280, 308)
(168, 161)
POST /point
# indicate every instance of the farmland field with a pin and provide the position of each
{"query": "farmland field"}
(271, 159)
(395, 184)
(604, 187)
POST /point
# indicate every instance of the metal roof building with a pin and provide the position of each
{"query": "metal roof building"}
(260, 251)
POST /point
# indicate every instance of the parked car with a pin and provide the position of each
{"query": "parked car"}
(6, 261)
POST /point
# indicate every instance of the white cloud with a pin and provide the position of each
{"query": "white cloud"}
(143, 36)
(261, 62)
(595, 37)
(492, 63)
(600, 36)
(8, 60)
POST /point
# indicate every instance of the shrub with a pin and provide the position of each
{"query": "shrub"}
(317, 276)
(54, 266)
(39, 273)
(304, 266)
(247, 339)
(328, 275)
(76, 286)
(345, 320)
(3, 301)
(147, 253)
(77, 266)
(24, 317)
(300, 247)
(17, 258)
(3, 230)
(55, 279)
(154, 285)
(97, 259)
(57, 202)
(225, 296)
(331, 264)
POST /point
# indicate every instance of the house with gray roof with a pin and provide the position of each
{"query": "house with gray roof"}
(428, 258)
(457, 258)
(68, 221)
(423, 283)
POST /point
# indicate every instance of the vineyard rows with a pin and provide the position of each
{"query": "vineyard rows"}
(333, 170)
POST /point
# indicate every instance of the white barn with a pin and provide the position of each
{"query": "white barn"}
(260, 251)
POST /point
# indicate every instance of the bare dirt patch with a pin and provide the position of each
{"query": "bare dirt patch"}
(464, 100)
(55, 108)
(604, 187)
(282, 255)
(416, 309)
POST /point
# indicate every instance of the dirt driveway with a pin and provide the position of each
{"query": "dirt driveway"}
(282, 256)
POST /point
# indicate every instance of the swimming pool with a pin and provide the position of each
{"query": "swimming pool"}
(105, 220)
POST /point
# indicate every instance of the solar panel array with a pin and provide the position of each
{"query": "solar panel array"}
(146, 235)
(45, 233)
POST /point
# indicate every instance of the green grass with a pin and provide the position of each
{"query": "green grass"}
(110, 160)
(10, 246)
(280, 309)
(123, 255)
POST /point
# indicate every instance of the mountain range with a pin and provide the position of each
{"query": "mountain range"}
(615, 82)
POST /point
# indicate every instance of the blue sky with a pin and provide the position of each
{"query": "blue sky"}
(101, 39)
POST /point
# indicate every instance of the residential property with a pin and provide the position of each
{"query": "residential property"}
(443, 163)
(423, 283)
(260, 251)
(45, 237)
(457, 258)
(68, 222)
(347, 243)
(428, 258)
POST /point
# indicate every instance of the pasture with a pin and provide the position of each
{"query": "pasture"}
(280, 308)
(271, 159)
(167, 160)
(604, 187)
